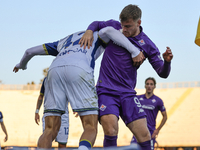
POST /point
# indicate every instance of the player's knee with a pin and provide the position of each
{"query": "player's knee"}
(144, 136)
(110, 131)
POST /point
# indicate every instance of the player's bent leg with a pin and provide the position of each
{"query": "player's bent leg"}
(141, 132)
(89, 123)
(110, 127)
(52, 126)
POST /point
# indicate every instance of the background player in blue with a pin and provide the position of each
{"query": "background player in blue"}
(152, 104)
(63, 133)
(70, 78)
(3, 127)
(117, 78)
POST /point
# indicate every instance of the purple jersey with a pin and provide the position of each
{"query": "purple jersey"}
(117, 71)
(151, 107)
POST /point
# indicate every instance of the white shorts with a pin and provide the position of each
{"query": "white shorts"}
(73, 84)
(63, 133)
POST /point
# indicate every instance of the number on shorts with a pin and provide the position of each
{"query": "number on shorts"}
(66, 130)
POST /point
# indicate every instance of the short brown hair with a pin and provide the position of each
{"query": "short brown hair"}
(130, 12)
(151, 78)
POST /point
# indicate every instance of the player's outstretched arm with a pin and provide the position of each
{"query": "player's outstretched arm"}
(29, 53)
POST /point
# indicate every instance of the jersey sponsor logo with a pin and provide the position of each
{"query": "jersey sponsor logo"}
(141, 42)
(75, 51)
(103, 107)
(141, 110)
(151, 107)
(153, 101)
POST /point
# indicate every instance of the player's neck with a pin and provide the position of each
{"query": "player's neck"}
(148, 95)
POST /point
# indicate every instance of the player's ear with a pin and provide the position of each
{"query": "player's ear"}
(139, 22)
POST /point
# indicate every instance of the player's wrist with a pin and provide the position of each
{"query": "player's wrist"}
(37, 111)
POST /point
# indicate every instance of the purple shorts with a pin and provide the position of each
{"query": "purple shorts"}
(125, 105)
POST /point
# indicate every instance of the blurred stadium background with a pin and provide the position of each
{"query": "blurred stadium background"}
(181, 131)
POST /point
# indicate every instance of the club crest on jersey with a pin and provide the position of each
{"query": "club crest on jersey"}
(141, 42)
(153, 100)
(103, 107)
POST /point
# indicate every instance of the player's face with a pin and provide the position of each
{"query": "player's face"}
(149, 86)
(131, 28)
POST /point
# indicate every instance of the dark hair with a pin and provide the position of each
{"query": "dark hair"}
(151, 78)
(130, 12)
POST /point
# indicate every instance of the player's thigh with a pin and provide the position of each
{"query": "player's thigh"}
(55, 95)
(140, 130)
(52, 123)
(89, 121)
(131, 108)
(109, 102)
(80, 89)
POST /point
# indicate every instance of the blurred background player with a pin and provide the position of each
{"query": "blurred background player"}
(71, 78)
(3, 127)
(63, 133)
(152, 104)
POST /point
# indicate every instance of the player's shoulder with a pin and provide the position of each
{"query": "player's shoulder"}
(144, 39)
(157, 98)
(1, 115)
(114, 23)
(141, 96)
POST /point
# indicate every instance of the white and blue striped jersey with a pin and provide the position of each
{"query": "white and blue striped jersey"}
(69, 52)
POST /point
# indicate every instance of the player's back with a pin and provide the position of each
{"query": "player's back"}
(70, 52)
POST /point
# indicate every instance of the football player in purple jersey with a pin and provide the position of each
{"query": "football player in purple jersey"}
(152, 104)
(118, 75)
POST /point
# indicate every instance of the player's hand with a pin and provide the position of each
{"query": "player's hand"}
(155, 133)
(15, 69)
(37, 118)
(138, 60)
(6, 138)
(76, 114)
(87, 39)
(167, 55)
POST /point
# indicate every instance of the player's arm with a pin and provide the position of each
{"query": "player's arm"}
(162, 68)
(109, 33)
(39, 103)
(29, 53)
(163, 121)
(4, 130)
(87, 38)
(45, 49)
